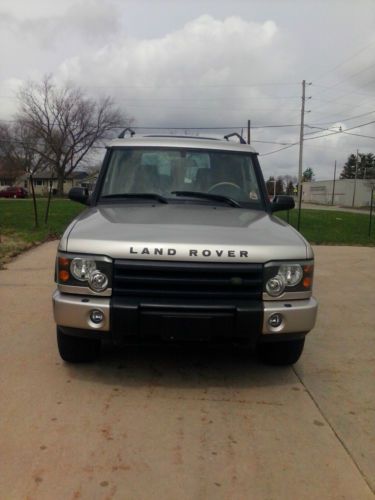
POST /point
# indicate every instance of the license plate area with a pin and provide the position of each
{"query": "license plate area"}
(186, 325)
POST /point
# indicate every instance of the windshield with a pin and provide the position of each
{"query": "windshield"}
(174, 173)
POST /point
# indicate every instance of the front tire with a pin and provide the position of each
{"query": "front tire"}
(280, 353)
(77, 349)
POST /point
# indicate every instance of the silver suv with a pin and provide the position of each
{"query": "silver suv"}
(179, 243)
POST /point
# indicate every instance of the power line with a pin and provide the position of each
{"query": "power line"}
(277, 150)
(320, 136)
(347, 119)
(231, 99)
(197, 85)
(340, 131)
(359, 105)
(363, 70)
(345, 60)
(343, 131)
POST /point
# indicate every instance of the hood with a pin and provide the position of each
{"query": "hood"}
(183, 232)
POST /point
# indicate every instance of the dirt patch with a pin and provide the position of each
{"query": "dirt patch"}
(11, 246)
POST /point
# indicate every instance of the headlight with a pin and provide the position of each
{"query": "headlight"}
(82, 268)
(98, 281)
(292, 273)
(284, 277)
(88, 273)
(275, 286)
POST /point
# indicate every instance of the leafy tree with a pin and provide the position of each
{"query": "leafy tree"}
(362, 167)
(270, 185)
(290, 188)
(280, 185)
(308, 175)
(67, 124)
(284, 184)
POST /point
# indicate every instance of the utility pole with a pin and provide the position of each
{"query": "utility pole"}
(333, 187)
(248, 131)
(301, 152)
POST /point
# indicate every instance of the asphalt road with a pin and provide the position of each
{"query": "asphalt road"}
(173, 424)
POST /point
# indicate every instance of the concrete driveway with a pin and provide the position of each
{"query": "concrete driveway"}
(172, 424)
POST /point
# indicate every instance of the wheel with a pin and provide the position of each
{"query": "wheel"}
(284, 352)
(77, 349)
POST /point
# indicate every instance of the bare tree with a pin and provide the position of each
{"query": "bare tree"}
(19, 152)
(67, 123)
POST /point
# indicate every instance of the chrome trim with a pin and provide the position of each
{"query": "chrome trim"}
(288, 296)
(83, 290)
(74, 311)
(298, 316)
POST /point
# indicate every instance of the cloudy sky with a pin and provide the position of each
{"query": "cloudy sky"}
(173, 63)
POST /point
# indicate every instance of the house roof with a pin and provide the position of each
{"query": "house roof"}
(45, 175)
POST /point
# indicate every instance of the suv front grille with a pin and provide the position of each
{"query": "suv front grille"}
(187, 280)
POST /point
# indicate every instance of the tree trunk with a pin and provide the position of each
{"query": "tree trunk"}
(48, 201)
(34, 202)
(60, 185)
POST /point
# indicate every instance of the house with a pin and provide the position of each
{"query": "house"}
(8, 176)
(42, 182)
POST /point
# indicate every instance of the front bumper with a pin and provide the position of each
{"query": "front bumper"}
(74, 311)
(299, 316)
(124, 319)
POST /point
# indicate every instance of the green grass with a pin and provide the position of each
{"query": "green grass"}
(326, 227)
(18, 232)
(17, 227)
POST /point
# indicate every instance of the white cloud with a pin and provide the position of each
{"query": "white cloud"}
(194, 76)
(169, 64)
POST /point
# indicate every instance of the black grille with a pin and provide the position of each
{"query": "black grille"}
(187, 280)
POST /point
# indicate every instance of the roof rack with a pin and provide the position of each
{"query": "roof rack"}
(127, 129)
(198, 137)
(185, 137)
(235, 134)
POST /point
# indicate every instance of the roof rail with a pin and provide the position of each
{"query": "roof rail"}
(127, 129)
(235, 134)
(184, 137)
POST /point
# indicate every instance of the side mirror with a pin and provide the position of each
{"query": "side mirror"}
(79, 194)
(282, 203)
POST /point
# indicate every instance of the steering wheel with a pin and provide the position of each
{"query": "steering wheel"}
(219, 184)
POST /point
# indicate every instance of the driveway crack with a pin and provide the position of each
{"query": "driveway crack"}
(341, 441)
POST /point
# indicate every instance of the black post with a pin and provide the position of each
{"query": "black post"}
(248, 131)
(34, 201)
(299, 208)
(48, 201)
(371, 208)
(333, 188)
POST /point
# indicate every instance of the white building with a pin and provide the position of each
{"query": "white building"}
(347, 192)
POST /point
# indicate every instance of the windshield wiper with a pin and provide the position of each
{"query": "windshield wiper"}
(149, 196)
(208, 196)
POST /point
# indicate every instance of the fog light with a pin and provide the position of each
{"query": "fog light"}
(96, 316)
(275, 320)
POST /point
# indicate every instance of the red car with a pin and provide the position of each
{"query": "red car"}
(13, 192)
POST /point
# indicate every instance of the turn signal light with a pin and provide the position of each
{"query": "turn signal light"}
(64, 262)
(307, 282)
(64, 275)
